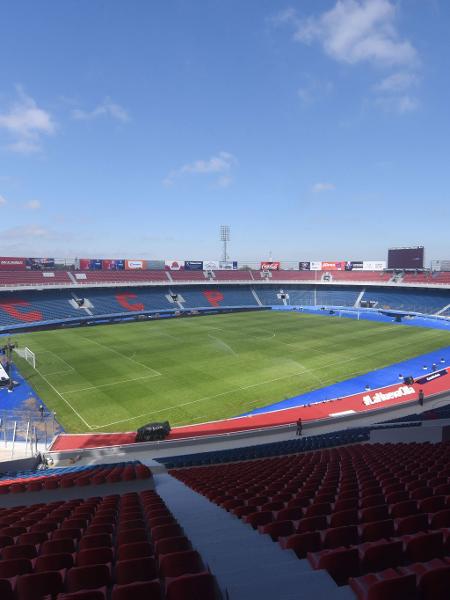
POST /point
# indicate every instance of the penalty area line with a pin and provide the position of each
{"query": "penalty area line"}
(122, 356)
(103, 385)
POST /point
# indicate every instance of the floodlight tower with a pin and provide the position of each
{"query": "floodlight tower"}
(224, 238)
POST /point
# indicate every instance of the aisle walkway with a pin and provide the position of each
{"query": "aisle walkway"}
(246, 564)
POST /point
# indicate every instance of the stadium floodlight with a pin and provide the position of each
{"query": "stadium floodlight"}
(224, 238)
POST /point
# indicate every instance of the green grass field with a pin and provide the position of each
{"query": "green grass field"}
(117, 377)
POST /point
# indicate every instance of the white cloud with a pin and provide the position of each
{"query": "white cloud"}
(223, 162)
(107, 108)
(26, 232)
(2, 200)
(26, 123)
(317, 188)
(398, 104)
(33, 205)
(355, 31)
(397, 82)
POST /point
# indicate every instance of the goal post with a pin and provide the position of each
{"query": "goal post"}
(28, 355)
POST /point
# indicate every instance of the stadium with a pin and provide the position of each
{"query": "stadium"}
(119, 379)
(224, 300)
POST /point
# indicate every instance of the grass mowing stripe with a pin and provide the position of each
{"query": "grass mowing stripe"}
(276, 356)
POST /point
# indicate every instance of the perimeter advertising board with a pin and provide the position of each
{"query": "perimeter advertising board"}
(12, 263)
(273, 265)
(155, 265)
(228, 265)
(374, 265)
(316, 265)
(354, 265)
(210, 265)
(113, 264)
(333, 265)
(193, 265)
(36, 264)
(135, 265)
(174, 265)
(304, 266)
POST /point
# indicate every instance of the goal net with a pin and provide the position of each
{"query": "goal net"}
(28, 355)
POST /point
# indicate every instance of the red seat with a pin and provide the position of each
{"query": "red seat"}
(53, 562)
(173, 544)
(141, 590)
(372, 500)
(192, 587)
(132, 535)
(341, 563)
(131, 524)
(100, 540)
(66, 534)
(277, 529)
(135, 550)
(289, 514)
(387, 585)
(312, 524)
(422, 547)
(57, 546)
(376, 530)
(97, 529)
(90, 577)
(340, 536)
(411, 524)
(6, 540)
(258, 518)
(440, 519)
(15, 566)
(44, 527)
(344, 517)
(314, 510)
(433, 578)
(403, 509)
(74, 524)
(13, 531)
(135, 569)
(374, 513)
(6, 591)
(377, 556)
(95, 556)
(19, 551)
(181, 563)
(432, 504)
(35, 586)
(165, 531)
(33, 538)
(302, 543)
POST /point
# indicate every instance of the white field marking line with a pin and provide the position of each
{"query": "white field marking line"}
(69, 370)
(157, 373)
(63, 399)
(222, 343)
(95, 387)
(245, 387)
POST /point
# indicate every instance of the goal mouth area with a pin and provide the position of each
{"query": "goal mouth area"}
(27, 355)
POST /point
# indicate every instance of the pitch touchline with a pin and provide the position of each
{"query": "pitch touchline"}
(95, 387)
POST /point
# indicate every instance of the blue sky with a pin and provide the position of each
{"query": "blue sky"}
(317, 129)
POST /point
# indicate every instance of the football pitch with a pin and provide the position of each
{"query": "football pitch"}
(189, 370)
